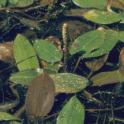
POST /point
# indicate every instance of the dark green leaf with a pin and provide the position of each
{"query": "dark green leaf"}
(72, 113)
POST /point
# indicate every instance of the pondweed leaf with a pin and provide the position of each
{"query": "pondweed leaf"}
(73, 112)
(105, 78)
(47, 51)
(69, 83)
(102, 41)
(24, 54)
(25, 77)
(40, 96)
(20, 3)
(100, 4)
(121, 36)
(102, 17)
(4, 116)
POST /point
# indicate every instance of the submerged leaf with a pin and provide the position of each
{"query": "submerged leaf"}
(102, 17)
(69, 83)
(40, 96)
(24, 54)
(72, 113)
(96, 63)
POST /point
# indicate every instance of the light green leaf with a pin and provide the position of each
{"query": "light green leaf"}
(102, 17)
(25, 77)
(20, 3)
(64, 82)
(72, 113)
(95, 43)
(24, 54)
(15, 122)
(3, 3)
(47, 51)
(105, 78)
(121, 36)
(100, 4)
(4, 116)
(69, 83)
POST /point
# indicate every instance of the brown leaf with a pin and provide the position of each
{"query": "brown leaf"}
(97, 63)
(40, 96)
(6, 52)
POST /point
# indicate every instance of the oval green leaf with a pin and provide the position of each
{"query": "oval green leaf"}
(102, 17)
(102, 43)
(72, 113)
(25, 77)
(69, 83)
(47, 51)
(24, 54)
(100, 4)
(4, 116)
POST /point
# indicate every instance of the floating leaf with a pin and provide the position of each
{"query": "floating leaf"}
(3, 3)
(20, 3)
(47, 51)
(4, 116)
(102, 42)
(24, 54)
(101, 4)
(72, 113)
(15, 122)
(121, 36)
(96, 63)
(105, 78)
(102, 17)
(40, 96)
(69, 83)
(25, 77)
